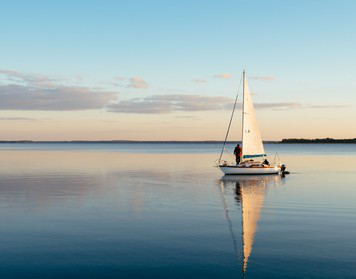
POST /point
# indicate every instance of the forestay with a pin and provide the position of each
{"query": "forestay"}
(252, 145)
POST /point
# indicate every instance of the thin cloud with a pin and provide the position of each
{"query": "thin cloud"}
(17, 119)
(326, 106)
(262, 78)
(223, 76)
(293, 105)
(199, 80)
(279, 106)
(187, 117)
(137, 82)
(159, 104)
(115, 84)
(119, 78)
(34, 80)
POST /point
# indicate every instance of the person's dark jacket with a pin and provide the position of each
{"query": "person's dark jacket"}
(237, 151)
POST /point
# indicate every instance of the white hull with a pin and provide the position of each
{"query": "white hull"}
(249, 170)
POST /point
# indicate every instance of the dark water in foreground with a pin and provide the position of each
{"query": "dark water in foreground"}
(164, 211)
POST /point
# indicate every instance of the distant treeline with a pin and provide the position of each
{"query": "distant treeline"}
(325, 140)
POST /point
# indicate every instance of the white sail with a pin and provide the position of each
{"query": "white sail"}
(252, 145)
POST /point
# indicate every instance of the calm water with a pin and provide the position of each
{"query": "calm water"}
(164, 211)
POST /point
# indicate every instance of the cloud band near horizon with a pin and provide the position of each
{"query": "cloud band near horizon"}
(39, 92)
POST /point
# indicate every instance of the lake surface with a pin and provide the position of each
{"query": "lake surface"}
(165, 211)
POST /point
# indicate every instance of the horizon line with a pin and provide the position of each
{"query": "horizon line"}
(288, 140)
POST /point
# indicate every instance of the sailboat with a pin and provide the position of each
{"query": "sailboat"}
(252, 145)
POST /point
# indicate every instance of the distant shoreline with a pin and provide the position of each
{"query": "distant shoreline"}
(325, 140)
(292, 140)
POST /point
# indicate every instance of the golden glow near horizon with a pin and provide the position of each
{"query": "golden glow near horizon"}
(99, 125)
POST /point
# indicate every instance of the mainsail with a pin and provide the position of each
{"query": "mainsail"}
(252, 145)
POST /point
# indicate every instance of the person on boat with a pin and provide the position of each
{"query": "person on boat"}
(265, 162)
(237, 152)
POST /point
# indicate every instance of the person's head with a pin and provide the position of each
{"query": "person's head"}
(238, 145)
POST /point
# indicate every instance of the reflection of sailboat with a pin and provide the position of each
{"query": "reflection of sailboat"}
(249, 193)
(252, 145)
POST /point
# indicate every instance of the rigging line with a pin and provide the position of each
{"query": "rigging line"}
(228, 128)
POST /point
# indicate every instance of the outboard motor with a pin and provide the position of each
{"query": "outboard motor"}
(283, 169)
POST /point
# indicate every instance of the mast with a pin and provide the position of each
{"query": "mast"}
(228, 128)
(243, 114)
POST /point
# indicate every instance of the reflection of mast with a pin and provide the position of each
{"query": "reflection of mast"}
(234, 242)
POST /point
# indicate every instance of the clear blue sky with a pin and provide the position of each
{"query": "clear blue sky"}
(300, 52)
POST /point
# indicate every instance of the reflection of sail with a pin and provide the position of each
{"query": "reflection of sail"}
(250, 191)
(253, 195)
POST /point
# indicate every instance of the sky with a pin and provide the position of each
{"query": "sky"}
(170, 70)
